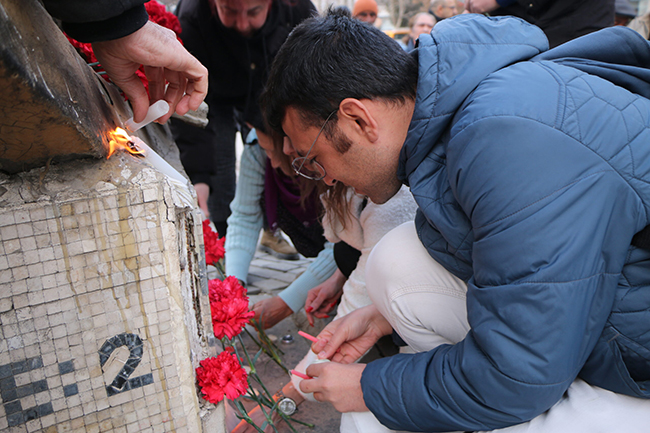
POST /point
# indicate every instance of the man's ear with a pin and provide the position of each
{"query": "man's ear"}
(355, 117)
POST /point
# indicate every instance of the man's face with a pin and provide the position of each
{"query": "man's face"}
(367, 17)
(423, 24)
(244, 16)
(447, 9)
(370, 170)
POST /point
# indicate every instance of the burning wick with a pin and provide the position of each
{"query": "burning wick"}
(307, 336)
(119, 139)
(156, 110)
(300, 375)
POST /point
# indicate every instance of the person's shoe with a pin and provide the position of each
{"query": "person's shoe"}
(274, 244)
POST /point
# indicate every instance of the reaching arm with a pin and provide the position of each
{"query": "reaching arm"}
(123, 39)
(245, 222)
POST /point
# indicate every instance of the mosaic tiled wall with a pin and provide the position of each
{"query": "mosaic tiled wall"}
(103, 309)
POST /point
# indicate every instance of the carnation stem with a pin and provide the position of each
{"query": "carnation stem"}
(268, 347)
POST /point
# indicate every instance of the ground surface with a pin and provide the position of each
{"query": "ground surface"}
(271, 275)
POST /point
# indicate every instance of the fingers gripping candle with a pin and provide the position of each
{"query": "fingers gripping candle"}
(156, 110)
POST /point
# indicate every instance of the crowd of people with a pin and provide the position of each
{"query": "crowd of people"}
(481, 195)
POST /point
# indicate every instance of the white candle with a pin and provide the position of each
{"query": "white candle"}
(156, 111)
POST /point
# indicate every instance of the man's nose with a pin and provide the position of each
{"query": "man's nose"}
(242, 23)
(287, 148)
(330, 181)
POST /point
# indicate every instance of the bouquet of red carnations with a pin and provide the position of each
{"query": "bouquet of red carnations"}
(224, 375)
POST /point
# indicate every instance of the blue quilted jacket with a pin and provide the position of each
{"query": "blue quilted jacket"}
(531, 169)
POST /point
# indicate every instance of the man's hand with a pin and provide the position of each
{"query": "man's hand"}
(481, 6)
(271, 311)
(164, 59)
(338, 384)
(345, 340)
(322, 298)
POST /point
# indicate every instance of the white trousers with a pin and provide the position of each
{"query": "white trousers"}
(425, 304)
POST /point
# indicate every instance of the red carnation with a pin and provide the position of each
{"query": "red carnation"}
(159, 15)
(229, 307)
(221, 376)
(214, 247)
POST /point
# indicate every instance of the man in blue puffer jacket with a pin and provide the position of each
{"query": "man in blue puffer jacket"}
(531, 169)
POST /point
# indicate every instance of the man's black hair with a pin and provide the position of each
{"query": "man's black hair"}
(327, 59)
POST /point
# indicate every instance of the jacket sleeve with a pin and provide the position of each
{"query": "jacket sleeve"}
(552, 224)
(319, 270)
(245, 222)
(99, 20)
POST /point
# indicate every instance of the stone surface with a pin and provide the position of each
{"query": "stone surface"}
(105, 310)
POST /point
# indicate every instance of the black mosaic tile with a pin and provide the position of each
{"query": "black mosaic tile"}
(16, 419)
(5, 371)
(8, 395)
(13, 407)
(136, 382)
(40, 386)
(136, 352)
(66, 367)
(70, 390)
(119, 382)
(30, 414)
(147, 379)
(127, 370)
(35, 363)
(7, 384)
(132, 362)
(45, 409)
(19, 367)
(25, 390)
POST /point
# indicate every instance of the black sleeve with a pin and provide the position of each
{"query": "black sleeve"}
(101, 20)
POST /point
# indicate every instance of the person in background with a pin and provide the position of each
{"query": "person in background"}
(641, 24)
(419, 23)
(123, 38)
(624, 12)
(237, 41)
(268, 189)
(442, 9)
(561, 20)
(366, 11)
(360, 223)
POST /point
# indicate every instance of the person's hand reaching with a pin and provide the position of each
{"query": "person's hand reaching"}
(322, 298)
(165, 60)
(271, 311)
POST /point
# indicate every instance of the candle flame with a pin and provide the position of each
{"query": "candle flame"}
(119, 139)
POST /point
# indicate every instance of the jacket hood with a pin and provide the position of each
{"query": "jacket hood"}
(462, 51)
(616, 54)
(458, 54)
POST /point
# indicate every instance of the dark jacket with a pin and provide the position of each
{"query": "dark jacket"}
(98, 20)
(238, 68)
(531, 170)
(561, 20)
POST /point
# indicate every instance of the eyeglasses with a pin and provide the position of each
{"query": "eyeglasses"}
(311, 169)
